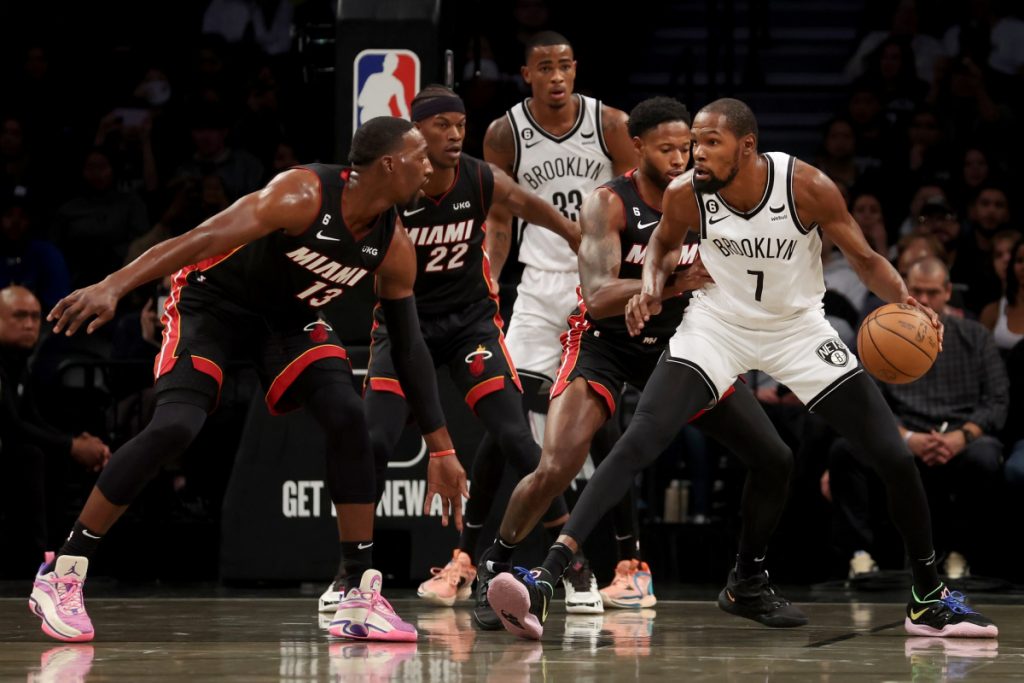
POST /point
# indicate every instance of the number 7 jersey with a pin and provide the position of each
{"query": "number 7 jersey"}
(765, 263)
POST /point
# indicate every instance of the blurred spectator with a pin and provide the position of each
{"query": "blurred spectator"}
(961, 93)
(912, 248)
(94, 229)
(18, 167)
(928, 155)
(866, 209)
(260, 127)
(838, 153)
(27, 260)
(864, 112)
(268, 23)
(240, 171)
(27, 439)
(965, 260)
(125, 135)
(988, 214)
(949, 419)
(284, 157)
(923, 49)
(974, 172)
(529, 17)
(1005, 318)
(989, 33)
(891, 77)
(193, 202)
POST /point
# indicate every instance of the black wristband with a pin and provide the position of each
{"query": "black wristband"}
(413, 363)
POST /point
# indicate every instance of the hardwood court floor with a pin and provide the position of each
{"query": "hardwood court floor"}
(173, 639)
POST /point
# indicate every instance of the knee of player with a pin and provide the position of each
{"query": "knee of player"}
(172, 436)
(554, 475)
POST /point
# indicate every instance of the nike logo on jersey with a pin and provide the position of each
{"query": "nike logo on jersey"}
(644, 226)
(587, 135)
(414, 211)
(712, 221)
(777, 209)
(528, 145)
(321, 236)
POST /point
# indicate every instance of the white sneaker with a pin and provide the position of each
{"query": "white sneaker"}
(862, 564)
(581, 593)
(331, 597)
(956, 567)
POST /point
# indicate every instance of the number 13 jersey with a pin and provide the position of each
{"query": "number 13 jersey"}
(765, 263)
(561, 170)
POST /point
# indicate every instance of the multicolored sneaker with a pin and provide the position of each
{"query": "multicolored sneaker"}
(945, 614)
(331, 598)
(483, 613)
(632, 587)
(452, 582)
(521, 601)
(755, 598)
(57, 599)
(581, 594)
(364, 614)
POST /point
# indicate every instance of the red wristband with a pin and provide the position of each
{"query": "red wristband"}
(441, 454)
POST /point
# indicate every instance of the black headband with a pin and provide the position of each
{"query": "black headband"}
(437, 105)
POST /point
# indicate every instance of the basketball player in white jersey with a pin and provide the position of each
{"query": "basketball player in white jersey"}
(761, 218)
(559, 145)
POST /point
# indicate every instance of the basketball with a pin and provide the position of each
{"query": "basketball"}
(897, 343)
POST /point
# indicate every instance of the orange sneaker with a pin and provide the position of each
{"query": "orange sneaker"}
(452, 582)
(632, 587)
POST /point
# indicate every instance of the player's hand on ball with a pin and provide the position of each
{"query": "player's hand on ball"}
(939, 327)
(639, 310)
(446, 478)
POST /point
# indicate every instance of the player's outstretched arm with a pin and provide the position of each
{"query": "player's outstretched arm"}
(533, 209)
(679, 216)
(818, 200)
(290, 202)
(415, 368)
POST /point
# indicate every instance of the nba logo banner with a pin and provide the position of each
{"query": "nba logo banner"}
(384, 83)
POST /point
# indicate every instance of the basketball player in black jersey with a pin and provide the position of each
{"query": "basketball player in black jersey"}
(460, 321)
(249, 283)
(600, 356)
(764, 311)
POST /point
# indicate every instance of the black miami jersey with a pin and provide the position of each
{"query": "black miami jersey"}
(280, 275)
(452, 271)
(640, 219)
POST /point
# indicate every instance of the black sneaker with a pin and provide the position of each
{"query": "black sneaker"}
(521, 601)
(945, 614)
(483, 615)
(755, 598)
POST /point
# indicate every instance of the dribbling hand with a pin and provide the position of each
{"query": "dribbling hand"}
(97, 301)
(446, 478)
(639, 310)
(936, 323)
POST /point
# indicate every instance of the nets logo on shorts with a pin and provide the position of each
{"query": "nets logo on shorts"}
(834, 352)
(384, 83)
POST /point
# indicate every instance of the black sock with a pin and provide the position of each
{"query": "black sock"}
(926, 575)
(356, 558)
(81, 541)
(629, 547)
(469, 538)
(559, 557)
(501, 551)
(748, 565)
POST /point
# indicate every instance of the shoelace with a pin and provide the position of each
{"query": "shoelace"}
(71, 597)
(376, 599)
(954, 600)
(622, 579)
(526, 575)
(449, 572)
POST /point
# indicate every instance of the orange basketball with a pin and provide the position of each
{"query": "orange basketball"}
(897, 343)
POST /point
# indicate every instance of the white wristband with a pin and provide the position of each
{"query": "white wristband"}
(906, 437)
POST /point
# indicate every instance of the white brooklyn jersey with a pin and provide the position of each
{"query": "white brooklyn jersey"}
(766, 265)
(561, 170)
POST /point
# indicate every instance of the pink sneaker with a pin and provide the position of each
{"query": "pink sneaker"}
(632, 587)
(364, 614)
(57, 599)
(452, 582)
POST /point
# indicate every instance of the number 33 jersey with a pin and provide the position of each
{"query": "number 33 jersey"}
(765, 263)
(452, 271)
